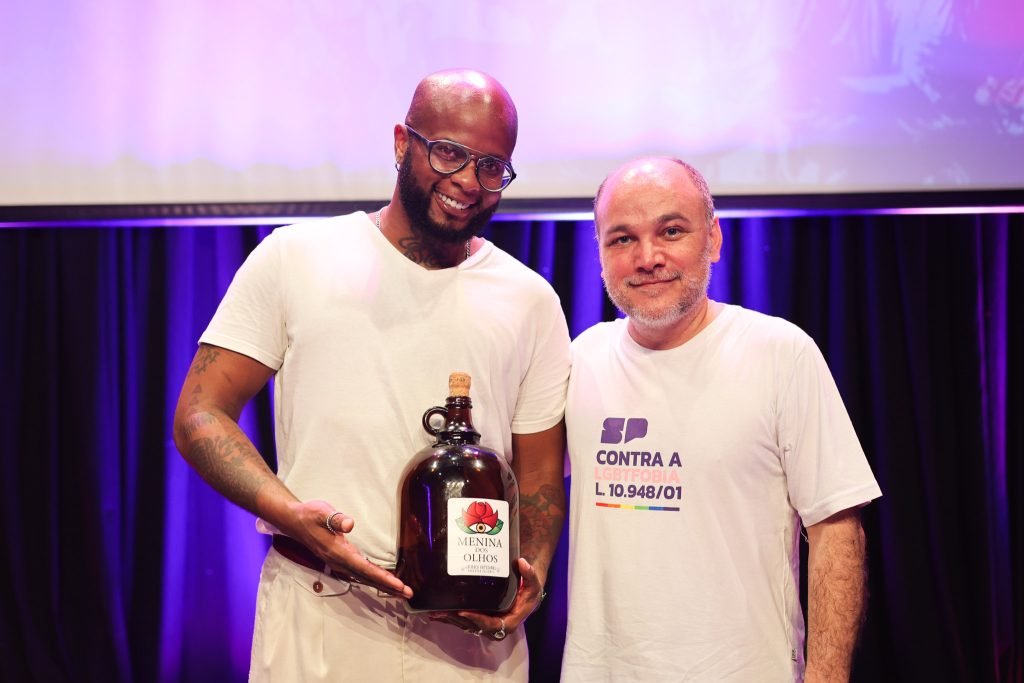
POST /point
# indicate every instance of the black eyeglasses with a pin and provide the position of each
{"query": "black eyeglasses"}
(449, 157)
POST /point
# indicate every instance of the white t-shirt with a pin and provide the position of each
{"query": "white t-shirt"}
(692, 469)
(363, 341)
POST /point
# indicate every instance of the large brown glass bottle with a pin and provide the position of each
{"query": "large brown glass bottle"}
(458, 539)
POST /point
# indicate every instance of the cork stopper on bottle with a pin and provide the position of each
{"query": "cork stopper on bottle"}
(458, 384)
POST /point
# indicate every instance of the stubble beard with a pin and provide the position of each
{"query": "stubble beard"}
(416, 203)
(659, 316)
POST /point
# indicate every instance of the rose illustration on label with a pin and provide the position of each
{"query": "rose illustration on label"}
(480, 518)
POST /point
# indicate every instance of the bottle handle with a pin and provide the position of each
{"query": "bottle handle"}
(436, 410)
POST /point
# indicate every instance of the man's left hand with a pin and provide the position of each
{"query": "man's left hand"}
(498, 626)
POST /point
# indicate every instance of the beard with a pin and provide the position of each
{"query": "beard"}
(416, 203)
(655, 314)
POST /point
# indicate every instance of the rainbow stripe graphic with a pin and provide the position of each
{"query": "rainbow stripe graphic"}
(652, 508)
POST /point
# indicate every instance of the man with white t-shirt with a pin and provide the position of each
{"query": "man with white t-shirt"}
(702, 436)
(360, 319)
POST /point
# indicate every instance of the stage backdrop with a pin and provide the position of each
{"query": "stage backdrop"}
(120, 564)
(185, 101)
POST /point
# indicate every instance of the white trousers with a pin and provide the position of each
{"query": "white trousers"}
(312, 627)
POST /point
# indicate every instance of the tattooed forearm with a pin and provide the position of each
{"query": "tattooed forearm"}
(219, 384)
(196, 422)
(229, 464)
(540, 522)
(205, 357)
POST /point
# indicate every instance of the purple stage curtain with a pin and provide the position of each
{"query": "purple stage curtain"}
(121, 564)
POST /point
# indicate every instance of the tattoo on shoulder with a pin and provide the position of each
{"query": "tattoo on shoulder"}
(205, 357)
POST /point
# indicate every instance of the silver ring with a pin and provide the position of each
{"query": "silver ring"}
(328, 522)
(500, 633)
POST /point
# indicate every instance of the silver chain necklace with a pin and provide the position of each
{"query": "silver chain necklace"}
(468, 242)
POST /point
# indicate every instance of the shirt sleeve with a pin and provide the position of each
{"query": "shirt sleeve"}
(541, 402)
(826, 469)
(251, 318)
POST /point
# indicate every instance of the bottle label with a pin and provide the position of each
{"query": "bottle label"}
(478, 537)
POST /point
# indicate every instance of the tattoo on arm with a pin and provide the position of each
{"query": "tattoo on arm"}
(229, 463)
(540, 521)
(205, 357)
(206, 427)
(195, 422)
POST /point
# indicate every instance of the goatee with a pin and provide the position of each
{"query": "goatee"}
(416, 203)
(659, 315)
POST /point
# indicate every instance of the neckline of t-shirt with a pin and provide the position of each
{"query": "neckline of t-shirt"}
(695, 344)
(385, 245)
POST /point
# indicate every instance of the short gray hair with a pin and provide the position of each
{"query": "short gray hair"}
(698, 180)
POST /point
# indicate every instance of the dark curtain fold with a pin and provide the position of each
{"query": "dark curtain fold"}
(120, 564)
(920, 318)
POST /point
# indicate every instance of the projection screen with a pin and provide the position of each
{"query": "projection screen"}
(120, 101)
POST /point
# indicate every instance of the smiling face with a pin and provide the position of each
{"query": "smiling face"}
(451, 211)
(656, 245)
(472, 111)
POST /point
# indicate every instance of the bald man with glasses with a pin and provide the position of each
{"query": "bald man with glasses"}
(359, 319)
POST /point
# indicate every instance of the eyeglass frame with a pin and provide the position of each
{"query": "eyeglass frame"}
(474, 155)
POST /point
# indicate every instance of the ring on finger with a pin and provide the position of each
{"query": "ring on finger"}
(328, 524)
(500, 633)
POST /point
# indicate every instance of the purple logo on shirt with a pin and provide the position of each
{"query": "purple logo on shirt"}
(635, 427)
